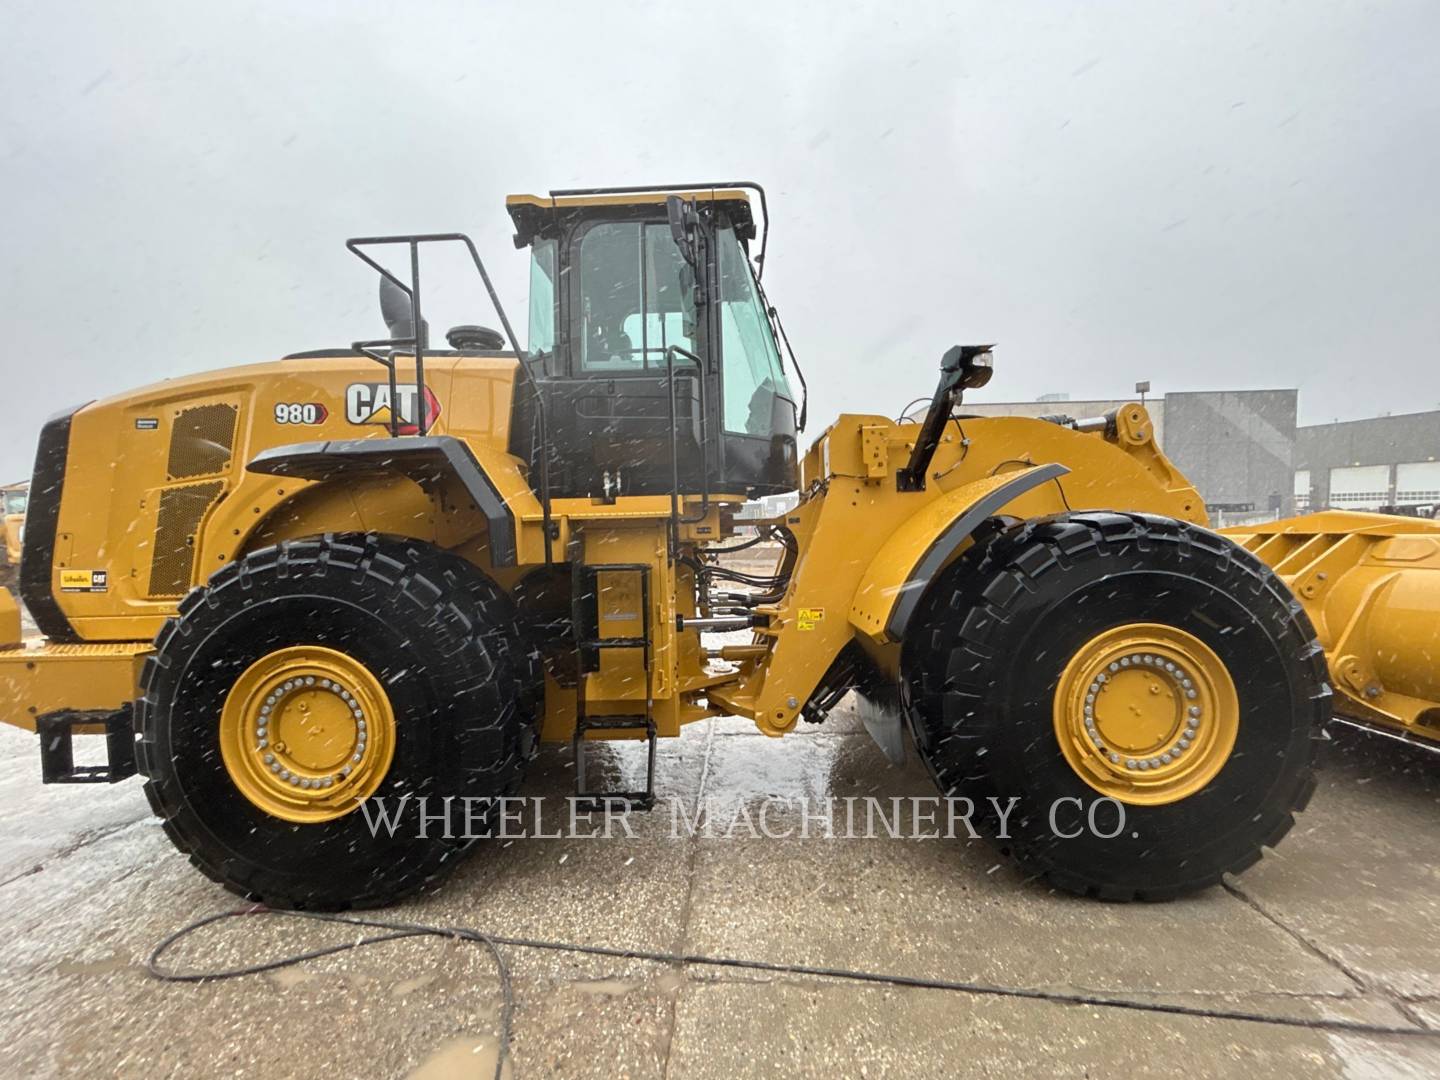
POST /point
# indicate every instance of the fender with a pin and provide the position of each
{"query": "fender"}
(902, 570)
(419, 457)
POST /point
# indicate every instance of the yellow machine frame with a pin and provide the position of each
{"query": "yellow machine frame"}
(1371, 585)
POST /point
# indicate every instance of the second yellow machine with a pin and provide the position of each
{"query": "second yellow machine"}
(287, 590)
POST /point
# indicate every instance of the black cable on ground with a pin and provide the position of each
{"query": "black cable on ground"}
(395, 931)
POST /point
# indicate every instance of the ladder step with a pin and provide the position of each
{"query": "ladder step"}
(614, 643)
(586, 618)
(57, 756)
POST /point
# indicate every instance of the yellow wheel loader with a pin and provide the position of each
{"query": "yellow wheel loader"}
(13, 498)
(387, 571)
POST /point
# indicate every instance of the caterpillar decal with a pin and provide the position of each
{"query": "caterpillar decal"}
(369, 403)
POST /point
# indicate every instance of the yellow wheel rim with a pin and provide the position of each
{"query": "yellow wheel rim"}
(307, 733)
(1146, 714)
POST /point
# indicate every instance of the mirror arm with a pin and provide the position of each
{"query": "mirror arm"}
(962, 366)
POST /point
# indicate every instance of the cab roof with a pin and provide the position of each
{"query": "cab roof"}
(533, 214)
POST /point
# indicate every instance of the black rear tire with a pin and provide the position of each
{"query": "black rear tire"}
(985, 655)
(439, 636)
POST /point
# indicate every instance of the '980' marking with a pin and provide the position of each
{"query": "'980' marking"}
(296, 412)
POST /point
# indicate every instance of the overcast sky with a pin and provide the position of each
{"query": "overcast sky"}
(1204, 195)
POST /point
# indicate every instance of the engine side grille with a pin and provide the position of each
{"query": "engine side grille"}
(201, 440)
(181, 509)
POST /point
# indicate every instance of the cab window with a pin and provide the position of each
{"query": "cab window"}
(755, 384)
(541, 335)
(630, 297)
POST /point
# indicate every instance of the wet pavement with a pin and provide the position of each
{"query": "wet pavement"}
(1337, 924)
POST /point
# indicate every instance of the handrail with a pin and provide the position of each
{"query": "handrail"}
(368, 348)
(675, 519)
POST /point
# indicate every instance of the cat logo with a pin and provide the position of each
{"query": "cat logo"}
(84, 580)
(369, 403)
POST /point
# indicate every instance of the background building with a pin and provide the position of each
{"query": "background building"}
(1389, 461)
(768, 506)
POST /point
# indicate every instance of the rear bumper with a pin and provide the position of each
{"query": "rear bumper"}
(41, 677)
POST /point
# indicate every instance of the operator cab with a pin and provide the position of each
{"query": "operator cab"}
(627, 287)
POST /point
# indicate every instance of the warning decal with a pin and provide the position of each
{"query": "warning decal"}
(810, 617)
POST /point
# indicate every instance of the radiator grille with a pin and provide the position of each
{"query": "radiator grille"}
(181, 509)
(201, 440)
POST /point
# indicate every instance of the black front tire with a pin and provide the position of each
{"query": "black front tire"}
(985, 655)
(437, 634)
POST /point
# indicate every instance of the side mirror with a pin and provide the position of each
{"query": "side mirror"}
(682, 226)
(969, 366)
(978, 369)
(689, 315)
(396, 310)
